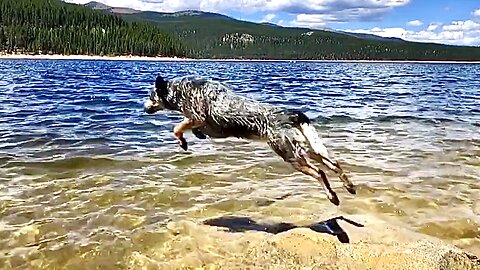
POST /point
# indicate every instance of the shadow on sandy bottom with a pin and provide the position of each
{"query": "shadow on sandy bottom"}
(242, 224)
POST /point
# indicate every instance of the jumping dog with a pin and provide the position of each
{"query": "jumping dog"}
(211, 108)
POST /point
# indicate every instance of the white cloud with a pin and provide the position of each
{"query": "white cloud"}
(476, 13)
(468, 25)
(310, 21)
(455, 33)
(383, 32)
(268, 18)
(315, 21)
(339, 16)
(433, 26)
(331, 10)
(415, 23)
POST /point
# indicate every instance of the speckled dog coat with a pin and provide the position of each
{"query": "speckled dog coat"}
(214, 110)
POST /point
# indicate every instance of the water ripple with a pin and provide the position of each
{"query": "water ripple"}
(86, 177)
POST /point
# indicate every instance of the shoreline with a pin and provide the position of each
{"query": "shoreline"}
(88, 57)
(179, 59)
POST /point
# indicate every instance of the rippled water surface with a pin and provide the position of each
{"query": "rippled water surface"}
(88, 180)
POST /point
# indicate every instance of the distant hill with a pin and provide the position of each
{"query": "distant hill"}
(211, 35)
(55, 27)
(371, 36)
(116, 10)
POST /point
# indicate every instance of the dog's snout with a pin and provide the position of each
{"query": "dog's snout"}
(149, 110)
(148, 106)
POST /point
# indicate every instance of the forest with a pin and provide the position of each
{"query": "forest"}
(55, 27)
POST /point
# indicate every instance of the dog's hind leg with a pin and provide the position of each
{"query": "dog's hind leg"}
(335, 167)
(290, 145)
(310, 169)
(319, 153)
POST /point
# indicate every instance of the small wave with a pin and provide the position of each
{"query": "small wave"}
(5, 160)
(381, 119)
(335, 119)
(79, 163)
(403, 118)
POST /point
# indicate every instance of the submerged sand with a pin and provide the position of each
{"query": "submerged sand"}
(144, 209)
(376, 245)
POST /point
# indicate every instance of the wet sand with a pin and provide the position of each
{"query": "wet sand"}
(367, 243)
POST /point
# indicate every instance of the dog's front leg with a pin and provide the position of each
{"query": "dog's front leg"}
(179, 129)
(199, 134)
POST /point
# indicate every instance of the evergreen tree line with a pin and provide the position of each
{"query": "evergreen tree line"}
(55, 27)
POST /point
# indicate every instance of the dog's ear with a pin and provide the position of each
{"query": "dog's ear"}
(161, 84)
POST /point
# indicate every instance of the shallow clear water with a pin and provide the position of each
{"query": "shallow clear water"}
(87, 178)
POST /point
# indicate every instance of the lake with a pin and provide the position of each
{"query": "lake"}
(87, 178)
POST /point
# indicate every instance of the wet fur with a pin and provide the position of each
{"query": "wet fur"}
(211, 109)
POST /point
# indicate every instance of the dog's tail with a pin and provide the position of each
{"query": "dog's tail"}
(313, 138)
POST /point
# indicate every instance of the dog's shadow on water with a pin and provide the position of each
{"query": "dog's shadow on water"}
(242, 224)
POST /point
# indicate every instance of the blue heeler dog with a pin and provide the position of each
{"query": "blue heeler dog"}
(212, 109)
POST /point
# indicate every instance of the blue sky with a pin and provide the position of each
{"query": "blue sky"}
(442, 21)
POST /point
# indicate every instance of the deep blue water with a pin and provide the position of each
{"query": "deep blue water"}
(66, 108)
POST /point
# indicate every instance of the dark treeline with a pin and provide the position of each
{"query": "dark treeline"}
(55, 27)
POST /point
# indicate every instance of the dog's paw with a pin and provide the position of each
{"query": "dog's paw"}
(183, 144)
(347, 184)
(351, 189)
(333, 198)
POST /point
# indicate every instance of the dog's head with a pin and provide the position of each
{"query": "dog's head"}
(157, 99)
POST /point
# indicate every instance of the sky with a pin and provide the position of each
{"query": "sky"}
(454, 22)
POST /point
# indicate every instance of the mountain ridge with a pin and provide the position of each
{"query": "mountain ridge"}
(217, 36)
(122, 10)
(189, 12)
(116, 10)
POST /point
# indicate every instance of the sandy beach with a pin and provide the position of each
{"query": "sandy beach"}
(89, 57)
